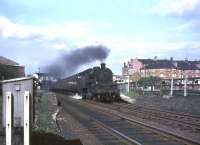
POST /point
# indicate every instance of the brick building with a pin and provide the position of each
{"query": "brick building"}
(10, 69)
(163, 68)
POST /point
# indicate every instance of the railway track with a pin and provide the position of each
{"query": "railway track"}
(105, 134)
(184, 116)
(183, 125)
(119, 128)
(186, 120)
(132, 109)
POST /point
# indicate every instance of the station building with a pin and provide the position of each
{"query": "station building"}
(10, 69)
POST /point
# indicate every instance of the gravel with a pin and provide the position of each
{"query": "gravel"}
(73, 129)
(181, 104)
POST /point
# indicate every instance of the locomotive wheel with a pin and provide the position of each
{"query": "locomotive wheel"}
(98, 97)
(83, 96)
(94, 98)
(101, 98)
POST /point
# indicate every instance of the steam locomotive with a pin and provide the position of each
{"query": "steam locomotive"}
(95, 83)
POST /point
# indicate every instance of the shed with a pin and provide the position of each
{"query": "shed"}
(17, 87)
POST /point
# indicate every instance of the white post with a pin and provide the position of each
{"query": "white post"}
(185, 87)
(128, 84)
(9, 118)
(26, 118)
(171, 91)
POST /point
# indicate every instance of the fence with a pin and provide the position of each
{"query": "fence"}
(160, 88)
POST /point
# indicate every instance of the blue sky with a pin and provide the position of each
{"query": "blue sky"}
(33, 32)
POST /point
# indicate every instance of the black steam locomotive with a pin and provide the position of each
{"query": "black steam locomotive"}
(95, 83)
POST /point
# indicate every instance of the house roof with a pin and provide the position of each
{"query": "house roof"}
(157, 64)
(146, 61)
(187, 65)
(6, 61)
(168, 64)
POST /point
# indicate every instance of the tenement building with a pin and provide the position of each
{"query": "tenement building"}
(163, 68)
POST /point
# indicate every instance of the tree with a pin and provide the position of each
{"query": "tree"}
(149, 81)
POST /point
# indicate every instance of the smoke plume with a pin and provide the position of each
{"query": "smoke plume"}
(68, 63)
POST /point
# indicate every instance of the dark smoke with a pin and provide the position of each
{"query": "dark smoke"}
(68, 63)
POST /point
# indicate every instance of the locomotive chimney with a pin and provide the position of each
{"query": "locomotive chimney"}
(103, 65)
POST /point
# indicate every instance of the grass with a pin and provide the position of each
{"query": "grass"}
(132, 94)
(44, 122)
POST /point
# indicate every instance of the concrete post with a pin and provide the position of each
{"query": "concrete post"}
(185, 87)
(171, 90)
(9, 118)
(128, 89)
(27, 118)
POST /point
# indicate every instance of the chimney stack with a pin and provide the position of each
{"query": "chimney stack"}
(103, 65)
(124, 64)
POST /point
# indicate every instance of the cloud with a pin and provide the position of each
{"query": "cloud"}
(186, 12)
(123, 48)
(192, 25)
(79, 34)
(50, 40)
(59, 46)
(178, 7)
(68, 30)
(8, 29)
(126, 43)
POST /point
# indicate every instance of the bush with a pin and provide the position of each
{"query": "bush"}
(132, 94)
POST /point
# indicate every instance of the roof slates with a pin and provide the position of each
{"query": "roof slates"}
(6, 61)
(169, 64)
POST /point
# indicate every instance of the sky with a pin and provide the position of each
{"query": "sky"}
(34, 32)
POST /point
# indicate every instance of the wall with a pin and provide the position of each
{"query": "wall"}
(9, 72)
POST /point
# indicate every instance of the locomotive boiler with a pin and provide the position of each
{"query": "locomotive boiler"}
(95, 83)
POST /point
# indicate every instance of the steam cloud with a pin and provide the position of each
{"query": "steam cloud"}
(68, 63)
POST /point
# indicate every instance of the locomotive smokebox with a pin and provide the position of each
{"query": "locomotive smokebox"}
(103, 65)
